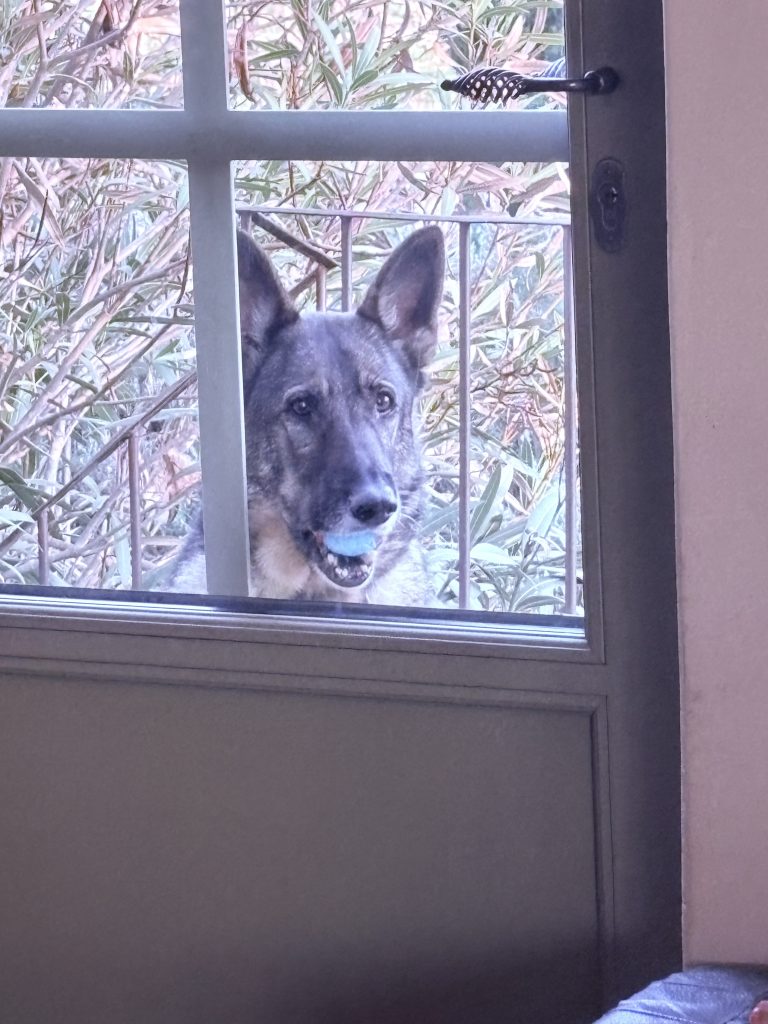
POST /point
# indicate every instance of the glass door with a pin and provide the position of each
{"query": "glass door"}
(397, 683)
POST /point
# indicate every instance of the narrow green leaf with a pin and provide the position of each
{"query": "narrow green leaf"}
(32, 497)
(337, 89)
(330, 41)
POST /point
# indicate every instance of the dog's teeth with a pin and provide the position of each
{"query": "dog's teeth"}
(345, 570)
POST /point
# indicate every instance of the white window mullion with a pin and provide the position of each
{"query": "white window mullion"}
(461, 135)
(217, 334)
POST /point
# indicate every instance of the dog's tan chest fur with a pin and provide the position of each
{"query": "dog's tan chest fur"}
(278, 568)
(280, 571)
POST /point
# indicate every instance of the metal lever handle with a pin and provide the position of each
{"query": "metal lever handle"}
(486, 85)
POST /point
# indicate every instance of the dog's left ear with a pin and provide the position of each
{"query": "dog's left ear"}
(405, 297)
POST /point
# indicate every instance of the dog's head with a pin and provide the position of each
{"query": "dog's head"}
(329, 407)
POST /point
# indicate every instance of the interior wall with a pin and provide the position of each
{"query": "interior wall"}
(717, 81)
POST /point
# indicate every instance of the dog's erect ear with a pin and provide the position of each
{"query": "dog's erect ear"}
(264, 306)
(406, 294)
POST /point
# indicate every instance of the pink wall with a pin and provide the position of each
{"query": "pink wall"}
(718, 236)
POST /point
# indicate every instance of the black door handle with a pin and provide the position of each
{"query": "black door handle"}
(488, 85)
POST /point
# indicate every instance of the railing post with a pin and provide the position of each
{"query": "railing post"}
(134, 507)
(465, 408)
(346, 263)
(43, 559)
(570, 416)
(321, 288)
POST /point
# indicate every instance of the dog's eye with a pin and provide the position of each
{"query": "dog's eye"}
(385, 400)
(302, 405)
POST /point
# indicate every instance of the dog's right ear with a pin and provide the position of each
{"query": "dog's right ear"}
(264, 305)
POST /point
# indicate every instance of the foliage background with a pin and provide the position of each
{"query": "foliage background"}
(97, 320)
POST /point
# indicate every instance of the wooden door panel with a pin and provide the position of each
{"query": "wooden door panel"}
(176, 854)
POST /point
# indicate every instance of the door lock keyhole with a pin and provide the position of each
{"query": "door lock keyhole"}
(608, 204)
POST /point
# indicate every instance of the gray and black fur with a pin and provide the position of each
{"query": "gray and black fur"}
(331, 432)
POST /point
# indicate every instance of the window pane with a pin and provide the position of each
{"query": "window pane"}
(522, 519)
(383, 54)
(99, 473)
(97, 349)
(70, 53)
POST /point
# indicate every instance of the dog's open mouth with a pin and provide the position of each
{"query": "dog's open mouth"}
(347, 561)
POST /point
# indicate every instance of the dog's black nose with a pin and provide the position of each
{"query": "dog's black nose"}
(373, 507)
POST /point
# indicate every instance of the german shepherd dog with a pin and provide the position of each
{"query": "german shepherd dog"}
(333, 462)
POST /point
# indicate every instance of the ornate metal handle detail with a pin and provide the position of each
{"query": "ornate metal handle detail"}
(488, 85)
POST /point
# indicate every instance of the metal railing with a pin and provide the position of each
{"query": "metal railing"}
(259, 215)
(128, 436)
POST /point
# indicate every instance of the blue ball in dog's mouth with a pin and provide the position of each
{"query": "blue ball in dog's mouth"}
(351, 545)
